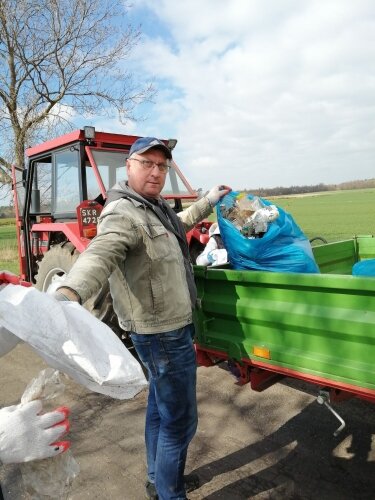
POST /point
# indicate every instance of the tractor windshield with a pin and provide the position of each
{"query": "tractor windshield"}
(111, 166)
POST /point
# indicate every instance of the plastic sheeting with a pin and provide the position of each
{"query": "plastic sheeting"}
(71, 340)
(283, 248)
(364, 268)
(50, 478)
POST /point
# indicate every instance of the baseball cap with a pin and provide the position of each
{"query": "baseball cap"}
(143, 144)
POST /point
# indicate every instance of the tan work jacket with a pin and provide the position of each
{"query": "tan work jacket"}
(144, 264)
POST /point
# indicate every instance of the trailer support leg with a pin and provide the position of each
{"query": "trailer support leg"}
(323, 399)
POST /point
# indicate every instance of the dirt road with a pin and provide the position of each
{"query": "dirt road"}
(274, 445)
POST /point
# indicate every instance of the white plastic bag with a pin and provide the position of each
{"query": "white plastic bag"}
(50, 478)
(8, 341)
(71, 340)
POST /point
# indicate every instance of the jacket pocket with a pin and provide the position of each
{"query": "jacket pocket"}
(157, 241)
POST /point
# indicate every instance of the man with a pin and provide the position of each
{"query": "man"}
(141, 248)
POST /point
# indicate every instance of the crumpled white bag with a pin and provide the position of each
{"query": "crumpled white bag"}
(217, 257)
(71, 340)
(8, 341)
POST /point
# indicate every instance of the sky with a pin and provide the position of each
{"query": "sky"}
(259, 93)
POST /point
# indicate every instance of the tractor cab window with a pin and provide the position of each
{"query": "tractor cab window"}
(174, 185)
(41, 186)
(67, 185)
(111, 166)
(44, 179)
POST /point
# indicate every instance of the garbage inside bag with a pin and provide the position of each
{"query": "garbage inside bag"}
(249, 215)
(273, 243)
(364, 268)
(217, 257)
(214, 253)
(50, 478)
(71, 340)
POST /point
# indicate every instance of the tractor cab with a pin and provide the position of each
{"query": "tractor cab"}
(62, 192)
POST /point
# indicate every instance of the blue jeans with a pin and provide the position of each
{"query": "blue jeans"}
(171, 416)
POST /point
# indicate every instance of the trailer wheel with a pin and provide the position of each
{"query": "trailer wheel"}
(56, 264)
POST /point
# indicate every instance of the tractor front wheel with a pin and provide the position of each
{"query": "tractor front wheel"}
(55, 265)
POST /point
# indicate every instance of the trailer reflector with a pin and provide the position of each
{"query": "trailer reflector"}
(261, 352)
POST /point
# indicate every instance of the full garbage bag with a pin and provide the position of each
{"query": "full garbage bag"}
(283, 247)
(71, 340)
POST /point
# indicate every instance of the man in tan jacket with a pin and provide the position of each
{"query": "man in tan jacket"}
(141, 249)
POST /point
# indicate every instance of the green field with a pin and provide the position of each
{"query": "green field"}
(8, 246)
(336, 215)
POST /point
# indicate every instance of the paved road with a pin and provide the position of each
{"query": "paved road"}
(274, 445)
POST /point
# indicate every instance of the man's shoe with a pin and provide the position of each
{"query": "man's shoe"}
(151, 491)
(191, 483)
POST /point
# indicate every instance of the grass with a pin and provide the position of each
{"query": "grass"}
(336, 215)
(8, 246)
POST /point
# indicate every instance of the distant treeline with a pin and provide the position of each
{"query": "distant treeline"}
(316, 188)
(8, 212)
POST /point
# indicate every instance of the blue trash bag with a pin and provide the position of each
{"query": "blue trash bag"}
(283, 248)
(364, 268)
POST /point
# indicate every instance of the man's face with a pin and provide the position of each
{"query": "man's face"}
(146, 182)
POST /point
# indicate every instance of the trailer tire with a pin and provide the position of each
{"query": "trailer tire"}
(56, 263)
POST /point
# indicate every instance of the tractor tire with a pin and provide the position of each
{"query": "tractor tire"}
(56, 264)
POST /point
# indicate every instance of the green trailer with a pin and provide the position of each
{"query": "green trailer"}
(316, 327)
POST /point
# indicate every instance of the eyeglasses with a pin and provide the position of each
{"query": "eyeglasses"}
(149, 164)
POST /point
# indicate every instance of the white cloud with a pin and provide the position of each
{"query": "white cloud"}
(264, 93)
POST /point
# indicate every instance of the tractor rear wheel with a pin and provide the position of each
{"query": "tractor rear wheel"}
(53, 268)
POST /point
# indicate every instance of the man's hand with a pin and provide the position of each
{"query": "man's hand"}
(27, 435)
(216, 193)
(62, 294)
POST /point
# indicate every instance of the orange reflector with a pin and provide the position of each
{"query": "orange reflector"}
(89, 232)
(262, 352)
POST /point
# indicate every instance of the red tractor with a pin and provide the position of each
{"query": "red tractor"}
(61, 194)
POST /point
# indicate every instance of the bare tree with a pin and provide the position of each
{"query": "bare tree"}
(60, 58)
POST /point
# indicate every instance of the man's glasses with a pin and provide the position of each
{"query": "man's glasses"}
(149, 164)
